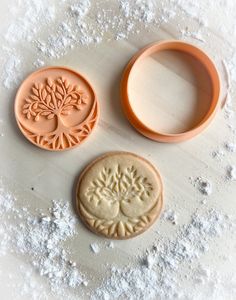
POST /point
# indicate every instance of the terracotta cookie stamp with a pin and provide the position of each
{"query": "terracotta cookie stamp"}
(119, 195)
(56, 108)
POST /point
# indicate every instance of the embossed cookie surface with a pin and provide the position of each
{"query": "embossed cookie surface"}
(119, 195)
(56, 108)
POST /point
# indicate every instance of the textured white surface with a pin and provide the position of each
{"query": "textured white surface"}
(53, 175)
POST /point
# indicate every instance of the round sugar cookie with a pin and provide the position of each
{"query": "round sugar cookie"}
(119, 195)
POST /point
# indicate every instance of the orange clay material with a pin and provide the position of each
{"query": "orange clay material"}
(197, 54)
(56, 108)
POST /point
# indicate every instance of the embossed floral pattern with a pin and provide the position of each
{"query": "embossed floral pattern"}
(122, 187)
(53, 98)
(119, 186)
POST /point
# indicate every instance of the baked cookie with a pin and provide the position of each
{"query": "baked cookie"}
(119, 195)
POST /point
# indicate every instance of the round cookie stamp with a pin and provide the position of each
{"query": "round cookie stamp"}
(56, 108)
(119, 195)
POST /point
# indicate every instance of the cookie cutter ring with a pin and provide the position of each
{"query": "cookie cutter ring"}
(184, 47)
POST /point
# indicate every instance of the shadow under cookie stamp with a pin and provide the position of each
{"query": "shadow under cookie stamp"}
(56, 108)
(119, 195)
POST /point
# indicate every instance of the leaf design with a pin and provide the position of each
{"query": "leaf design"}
(124, 186)
(58, 140)
(117, 228)
(119, 186)
(57, 97)
(49, 82)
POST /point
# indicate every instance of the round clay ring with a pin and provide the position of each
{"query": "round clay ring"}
(198, 54)
(131, 218)
(56, 108)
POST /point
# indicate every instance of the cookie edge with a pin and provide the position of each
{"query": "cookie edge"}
(89, 166)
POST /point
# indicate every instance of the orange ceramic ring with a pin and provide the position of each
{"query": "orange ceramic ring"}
(197, 54)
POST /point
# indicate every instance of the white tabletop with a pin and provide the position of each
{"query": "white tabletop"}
(52, 175)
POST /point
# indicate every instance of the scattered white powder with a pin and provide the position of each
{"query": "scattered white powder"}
(231, 147)
(149, 260)
(11, 69)
(141, 10)
(195, 35)
(95, 248)
(160, 274)
(86, 22)
(203, 185)
(231, 172)
(81, 8)
(120, 36)
(170, 216)
(31, 15)
(77, 23)
(6, 202)
(41, 239)
(6, 206)
(201, 275)
(39, 63)
(28, 287)
(110, 245)
(83, 27)
(128, 283)
(218, 154)
(192, 239)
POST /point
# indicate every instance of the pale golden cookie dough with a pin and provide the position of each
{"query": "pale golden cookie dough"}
(119, 195)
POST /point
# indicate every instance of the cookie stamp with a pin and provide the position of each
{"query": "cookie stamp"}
(56, 108)
(119, 195)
